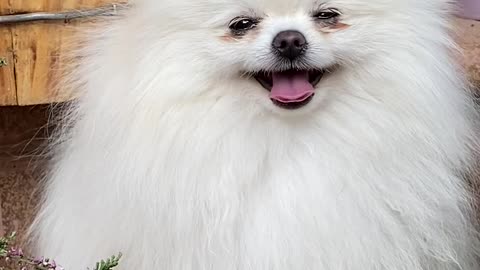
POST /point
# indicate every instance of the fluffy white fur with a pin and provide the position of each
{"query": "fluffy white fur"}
(180, 163)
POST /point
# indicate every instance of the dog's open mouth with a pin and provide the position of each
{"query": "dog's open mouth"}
(290, 89)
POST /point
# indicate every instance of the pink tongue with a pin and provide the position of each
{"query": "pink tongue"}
(291, 86)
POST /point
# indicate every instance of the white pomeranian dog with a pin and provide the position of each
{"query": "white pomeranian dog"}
(267, 135)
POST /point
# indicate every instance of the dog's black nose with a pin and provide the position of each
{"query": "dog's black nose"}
(290, 44)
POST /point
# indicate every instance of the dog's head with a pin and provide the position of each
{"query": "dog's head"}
(288, 54)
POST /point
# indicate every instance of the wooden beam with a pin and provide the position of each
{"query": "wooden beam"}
(58, 16)
(8, 89)
(40, 48)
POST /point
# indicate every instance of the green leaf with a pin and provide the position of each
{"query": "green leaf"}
(109, 263)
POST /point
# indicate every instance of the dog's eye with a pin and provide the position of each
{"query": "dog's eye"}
(242, 24)
(326, 14)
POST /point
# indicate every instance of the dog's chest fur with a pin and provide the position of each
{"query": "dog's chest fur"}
(292, 199)
(224, 191)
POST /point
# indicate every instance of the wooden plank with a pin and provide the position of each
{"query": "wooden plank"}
(54, 5)
(8, 90)
(38, 66)
(5, 7)
(41, 47)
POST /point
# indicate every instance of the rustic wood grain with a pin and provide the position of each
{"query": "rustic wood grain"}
(38, 64)
(7, 76)
(5, 7)
(40, 48)
(8, 89)
(54, 5)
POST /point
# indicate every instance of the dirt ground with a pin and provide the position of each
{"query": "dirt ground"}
(22, 136)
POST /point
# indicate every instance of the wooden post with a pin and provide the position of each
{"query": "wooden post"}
(34, 51)
(8, 89)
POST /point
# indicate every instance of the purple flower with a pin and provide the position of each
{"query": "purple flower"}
(38, 260)
(47, 263)
(15, 252)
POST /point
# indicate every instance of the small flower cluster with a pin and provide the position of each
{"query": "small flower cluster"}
(16, 257)
(43, 263)
(12, 252)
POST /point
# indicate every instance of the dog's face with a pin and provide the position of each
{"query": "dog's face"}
(284, 53)
(284, 47)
